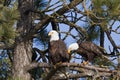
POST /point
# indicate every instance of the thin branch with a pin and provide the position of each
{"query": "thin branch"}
(81, 30)
(45, 21)
(112, 41)
(49, 6)
(42, 54)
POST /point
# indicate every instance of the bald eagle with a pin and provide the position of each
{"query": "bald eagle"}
(57, 48)
(87, 50)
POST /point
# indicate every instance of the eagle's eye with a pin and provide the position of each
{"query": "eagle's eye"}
(52, 32)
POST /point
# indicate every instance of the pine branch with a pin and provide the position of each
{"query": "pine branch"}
(5, 46)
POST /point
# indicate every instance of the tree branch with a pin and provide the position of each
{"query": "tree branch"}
(112, 41)
(45, 21)
(5, 46)
(42, 54)
(86, 70)
(46, 65)
(81, 75)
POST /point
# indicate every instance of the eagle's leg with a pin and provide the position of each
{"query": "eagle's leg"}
(85, 62)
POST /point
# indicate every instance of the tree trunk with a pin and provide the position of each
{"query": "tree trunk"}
(23, 48)
(22, 57)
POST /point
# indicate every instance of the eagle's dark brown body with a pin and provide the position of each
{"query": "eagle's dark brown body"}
(58, 52)
(89, 51)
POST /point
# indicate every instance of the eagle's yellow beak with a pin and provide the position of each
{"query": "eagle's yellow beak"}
(69, 51)
(50, 33)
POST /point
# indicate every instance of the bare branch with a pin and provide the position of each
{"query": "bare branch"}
(84, 70)
(42, 54)
(45, 21)
(81, 75)
(46, 65)
(78, 28)
(112, 41)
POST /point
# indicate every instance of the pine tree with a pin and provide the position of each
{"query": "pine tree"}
(24, 26)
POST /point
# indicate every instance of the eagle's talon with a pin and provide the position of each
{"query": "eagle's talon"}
(85, 62)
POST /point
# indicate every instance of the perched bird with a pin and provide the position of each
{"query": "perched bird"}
(57, 48)
(87, 50)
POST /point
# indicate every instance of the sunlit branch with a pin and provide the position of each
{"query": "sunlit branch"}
(46, 65)
(87, 70)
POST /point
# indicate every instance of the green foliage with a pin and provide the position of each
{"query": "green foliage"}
(103, 11)
(103, 62)
(8, 17)
(107, 8)
(93, 32)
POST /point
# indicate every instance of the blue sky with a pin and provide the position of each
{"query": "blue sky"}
(69, 39)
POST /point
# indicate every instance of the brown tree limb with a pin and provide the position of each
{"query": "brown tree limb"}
(82, 75)
(86, 70)
(46, 65)
(35, 64)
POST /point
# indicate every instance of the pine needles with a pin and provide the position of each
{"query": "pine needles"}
(8, 18)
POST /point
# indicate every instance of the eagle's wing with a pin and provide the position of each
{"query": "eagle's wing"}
(63, 50)
(91, 47)
(58, 51)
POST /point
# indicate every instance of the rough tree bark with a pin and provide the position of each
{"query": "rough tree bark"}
(23, 47)
(22, 57)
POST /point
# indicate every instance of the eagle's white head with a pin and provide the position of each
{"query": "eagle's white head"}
(72, 47)
(53, 35)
